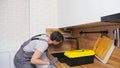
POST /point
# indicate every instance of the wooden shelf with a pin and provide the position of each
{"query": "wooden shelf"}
(95, 24)
(96, 64)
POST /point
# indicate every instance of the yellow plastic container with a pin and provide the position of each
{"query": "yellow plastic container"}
(79, 57)
(79, 53)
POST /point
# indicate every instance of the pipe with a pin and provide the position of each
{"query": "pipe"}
(106, 32)
(77, 41)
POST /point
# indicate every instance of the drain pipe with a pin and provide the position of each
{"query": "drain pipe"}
(77, 41)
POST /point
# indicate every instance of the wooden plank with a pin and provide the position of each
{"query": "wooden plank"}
(86, 42)
(66, 45)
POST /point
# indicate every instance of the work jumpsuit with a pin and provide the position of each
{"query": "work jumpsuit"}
(22, 58)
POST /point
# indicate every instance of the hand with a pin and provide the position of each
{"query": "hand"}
(52, 62)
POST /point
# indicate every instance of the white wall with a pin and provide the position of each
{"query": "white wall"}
(20, 19)
(43, 14)
(14, 29)
(14, 23)
(76, 12)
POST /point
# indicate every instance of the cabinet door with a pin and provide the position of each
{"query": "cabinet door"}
(102, 46)
(76, 12)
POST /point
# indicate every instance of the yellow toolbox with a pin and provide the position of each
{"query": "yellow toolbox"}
(79, 57)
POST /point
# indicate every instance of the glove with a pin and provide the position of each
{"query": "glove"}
(52, 62)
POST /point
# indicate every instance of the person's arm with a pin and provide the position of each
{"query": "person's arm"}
(36, 58)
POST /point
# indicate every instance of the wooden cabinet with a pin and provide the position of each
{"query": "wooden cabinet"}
(78, 12)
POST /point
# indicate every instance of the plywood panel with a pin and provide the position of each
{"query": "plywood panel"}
(88, 41)
(115, 58)
(66, 45)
